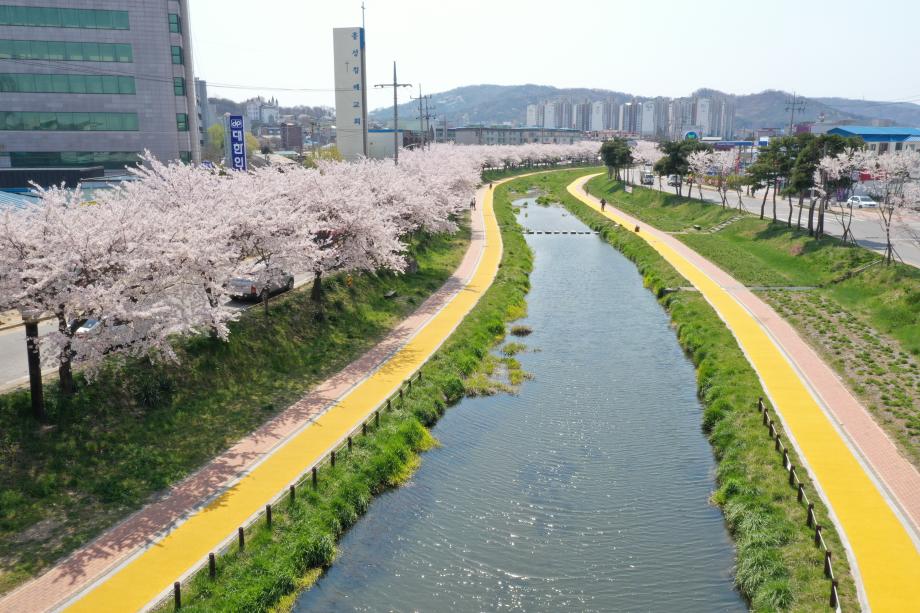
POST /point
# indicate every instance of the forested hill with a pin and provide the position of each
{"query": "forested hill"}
(501, 103)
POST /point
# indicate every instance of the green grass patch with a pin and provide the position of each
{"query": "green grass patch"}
(778, 566)
(134, 432)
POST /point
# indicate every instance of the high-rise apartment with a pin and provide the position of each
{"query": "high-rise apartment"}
(96, 83)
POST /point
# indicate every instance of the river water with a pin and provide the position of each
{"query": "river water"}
(588, 491)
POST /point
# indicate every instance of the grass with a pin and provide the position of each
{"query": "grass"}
(778, 567)
(866, 325)
(136, 431)
(279, 562)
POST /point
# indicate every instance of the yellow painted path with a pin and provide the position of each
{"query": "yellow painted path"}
(887, 560)
(140, 581)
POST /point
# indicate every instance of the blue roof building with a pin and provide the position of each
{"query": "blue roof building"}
(10, 200)
(883, 139)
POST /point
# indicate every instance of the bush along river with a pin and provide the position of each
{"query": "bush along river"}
(587, 491)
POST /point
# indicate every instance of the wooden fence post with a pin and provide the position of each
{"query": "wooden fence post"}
(177, 595)
(212, 566)
(241, 536)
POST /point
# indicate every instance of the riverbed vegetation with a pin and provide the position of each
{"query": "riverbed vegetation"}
(861, 315)
(778, 567)
(279, 562)
(139, 429)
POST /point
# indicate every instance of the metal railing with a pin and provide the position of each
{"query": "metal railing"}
(811, 520)
(310, 475)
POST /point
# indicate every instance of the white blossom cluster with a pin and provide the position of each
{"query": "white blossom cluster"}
(150, 259)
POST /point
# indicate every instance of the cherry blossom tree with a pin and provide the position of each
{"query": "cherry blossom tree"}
(894, 187)
(699, 162)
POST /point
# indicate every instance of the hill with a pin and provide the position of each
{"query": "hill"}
(508, 103)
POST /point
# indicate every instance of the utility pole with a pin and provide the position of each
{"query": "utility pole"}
(796, 104)
(428, 118)
(421, 116)
(395, 85)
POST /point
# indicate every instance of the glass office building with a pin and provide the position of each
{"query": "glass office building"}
(95, 86)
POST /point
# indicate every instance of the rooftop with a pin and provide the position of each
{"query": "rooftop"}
(879, 131)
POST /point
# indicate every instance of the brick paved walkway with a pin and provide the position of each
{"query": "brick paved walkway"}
(94, 564)
(872, 492)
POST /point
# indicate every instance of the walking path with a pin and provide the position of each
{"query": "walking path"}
(134, 564)
(872, 493)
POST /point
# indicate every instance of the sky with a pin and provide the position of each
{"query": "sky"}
(283, 48)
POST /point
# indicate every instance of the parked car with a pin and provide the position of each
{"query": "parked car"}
(648, 178)
(673, 180)
(860, 202)
(249, 287)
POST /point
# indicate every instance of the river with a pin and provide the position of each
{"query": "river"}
(587, 491)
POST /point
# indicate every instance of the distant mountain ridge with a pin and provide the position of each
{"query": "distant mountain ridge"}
(508, 103)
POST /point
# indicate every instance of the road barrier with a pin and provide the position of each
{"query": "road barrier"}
(811, 519)
(310, 473)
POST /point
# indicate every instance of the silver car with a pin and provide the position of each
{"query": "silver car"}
(251, 286)
(860, 202)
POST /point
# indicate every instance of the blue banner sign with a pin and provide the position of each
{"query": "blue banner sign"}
(236, 134)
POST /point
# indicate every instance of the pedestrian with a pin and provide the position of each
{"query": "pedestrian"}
(490, 185)
(473, 203)
(603, 204)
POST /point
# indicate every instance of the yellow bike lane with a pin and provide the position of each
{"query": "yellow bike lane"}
(882, 552)
(141, 581)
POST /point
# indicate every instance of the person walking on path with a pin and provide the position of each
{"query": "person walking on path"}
(490, 185)
(603, 204)
(473, 203)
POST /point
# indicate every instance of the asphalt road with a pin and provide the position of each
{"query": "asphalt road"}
(866, 227)
(14, 370)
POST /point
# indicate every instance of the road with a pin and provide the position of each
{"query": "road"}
(14, 371)
(866, 227)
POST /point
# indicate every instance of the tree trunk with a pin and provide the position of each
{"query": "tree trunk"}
(889, 248)
(819, 230)
(763, 204)
(811, 217)
(789, 200)
(801, 201)
(316, 293)
(35, 370)
(65, 368)
(775, 183)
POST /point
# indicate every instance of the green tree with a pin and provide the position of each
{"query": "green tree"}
(616, 155)
(674, 161)
(214, 150)
(811, 149)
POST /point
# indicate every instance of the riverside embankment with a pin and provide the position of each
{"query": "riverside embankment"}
(587, 490)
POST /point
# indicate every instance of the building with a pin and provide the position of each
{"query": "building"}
(647, 125)
(630, 118)
(583, 112)
(205, 119)
(534, 115)
(380, 143)
(504, 135)
(96, 86)
(883, 139)
(598, 121)
(350, 81)
(263, 111)
(292, 137)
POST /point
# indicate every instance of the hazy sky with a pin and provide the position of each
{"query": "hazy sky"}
(646, 47)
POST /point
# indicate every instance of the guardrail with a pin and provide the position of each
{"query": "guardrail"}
(811, 520)
(310, 476)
